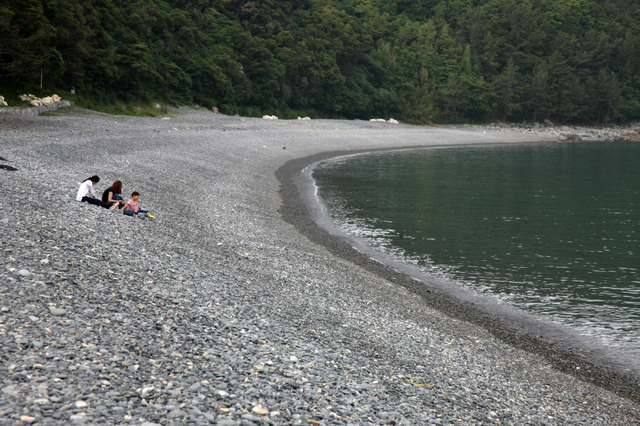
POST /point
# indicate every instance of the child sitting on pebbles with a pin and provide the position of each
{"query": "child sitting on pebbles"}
(131, 208)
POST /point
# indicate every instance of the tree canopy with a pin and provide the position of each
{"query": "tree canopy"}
(414, 60)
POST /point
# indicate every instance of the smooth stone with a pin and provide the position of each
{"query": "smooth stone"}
(146, 391)
(58, 312)
(176, 414)
(10, 390)
(78, 418)
(226, 422)
(260, 410)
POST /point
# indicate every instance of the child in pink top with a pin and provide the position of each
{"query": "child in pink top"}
(132, 208)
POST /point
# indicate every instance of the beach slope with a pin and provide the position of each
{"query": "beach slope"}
(232, 307)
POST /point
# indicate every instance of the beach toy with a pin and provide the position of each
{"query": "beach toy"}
(418, 381)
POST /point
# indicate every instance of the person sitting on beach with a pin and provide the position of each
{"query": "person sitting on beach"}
(112, 195)
(131, 208)
(87, 194)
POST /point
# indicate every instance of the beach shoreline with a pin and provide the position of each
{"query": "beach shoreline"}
(233, 307)
(556, 345)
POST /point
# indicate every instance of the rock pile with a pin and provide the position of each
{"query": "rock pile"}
(36, 105)
(391, 120)
(36, 101)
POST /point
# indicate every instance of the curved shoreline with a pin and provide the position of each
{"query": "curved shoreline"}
(297, 209)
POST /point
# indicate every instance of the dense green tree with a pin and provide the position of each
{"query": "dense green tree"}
(505, 91)
(608, 96)
(415, 60)
(539, 98)
(29, 54)
(71, 38)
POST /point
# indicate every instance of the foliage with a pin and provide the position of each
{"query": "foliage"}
(419, 61)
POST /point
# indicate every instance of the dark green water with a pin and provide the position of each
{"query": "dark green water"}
(552, 229)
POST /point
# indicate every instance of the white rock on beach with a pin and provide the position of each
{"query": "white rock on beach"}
(382, 120)
(36, 101)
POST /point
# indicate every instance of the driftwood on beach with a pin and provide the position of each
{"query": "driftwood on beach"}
(232, 307)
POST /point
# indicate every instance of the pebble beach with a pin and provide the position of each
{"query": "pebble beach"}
(233, 307)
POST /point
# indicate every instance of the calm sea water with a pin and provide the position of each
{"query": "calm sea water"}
(553, 229)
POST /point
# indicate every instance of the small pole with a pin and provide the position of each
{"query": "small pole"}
(41, 77)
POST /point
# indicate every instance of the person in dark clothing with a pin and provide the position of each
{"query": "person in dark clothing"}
(113, 195)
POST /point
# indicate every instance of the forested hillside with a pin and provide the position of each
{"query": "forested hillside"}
(418, 61)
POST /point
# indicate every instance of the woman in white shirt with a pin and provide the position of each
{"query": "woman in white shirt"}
(87, 194)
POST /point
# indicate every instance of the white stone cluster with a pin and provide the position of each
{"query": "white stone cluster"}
(36, 101)
(269, 117)
(391, 120)
(2, 101)
(304, 118)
